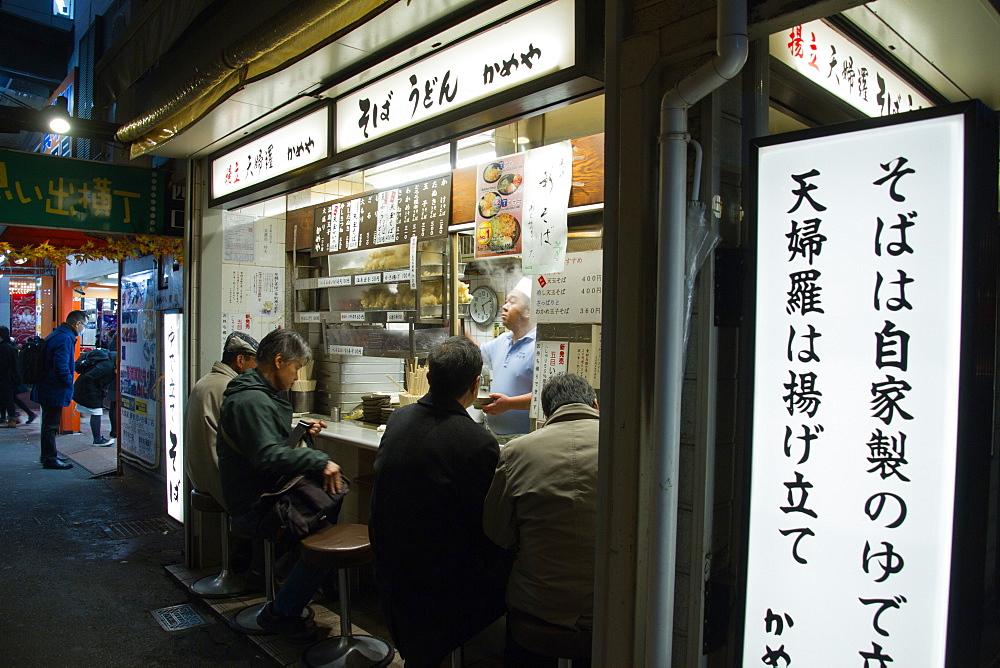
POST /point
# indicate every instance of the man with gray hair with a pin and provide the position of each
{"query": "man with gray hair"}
(255, 423)
(201, 413)
(543, 502)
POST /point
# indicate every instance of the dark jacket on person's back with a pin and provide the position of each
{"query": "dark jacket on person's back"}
(441, 580)
(56, 388)
(97, 370)
(258, 420)
(10, 374)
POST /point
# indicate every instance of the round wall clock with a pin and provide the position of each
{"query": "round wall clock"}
(484, 305)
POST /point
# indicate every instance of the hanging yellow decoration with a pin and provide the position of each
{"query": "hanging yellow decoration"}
(118, 248)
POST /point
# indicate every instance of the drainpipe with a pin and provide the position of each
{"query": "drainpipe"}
(731, 53)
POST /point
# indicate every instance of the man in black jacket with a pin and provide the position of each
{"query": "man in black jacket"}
(440, 579)
(10, 378)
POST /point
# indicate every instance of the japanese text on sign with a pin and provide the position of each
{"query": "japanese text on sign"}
(855, 397)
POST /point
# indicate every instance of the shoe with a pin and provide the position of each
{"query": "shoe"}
(56, 464)
(12, 423)
(59, 457)
(292, 629)
(104, 443)
(31, 418)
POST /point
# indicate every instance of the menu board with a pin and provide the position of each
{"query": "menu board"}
(499, 206)
(384, 217)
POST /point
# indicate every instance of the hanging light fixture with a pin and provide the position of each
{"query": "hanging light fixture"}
(57, 116)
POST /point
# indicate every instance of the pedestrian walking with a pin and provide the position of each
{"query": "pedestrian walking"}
(10, 378)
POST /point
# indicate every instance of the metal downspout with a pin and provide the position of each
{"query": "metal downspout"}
(731, 53)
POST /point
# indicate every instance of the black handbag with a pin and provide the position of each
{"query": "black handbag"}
(298, 505)
(297, 508)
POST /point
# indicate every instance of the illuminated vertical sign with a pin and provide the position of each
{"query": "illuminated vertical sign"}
(173, 412)
(866, 394)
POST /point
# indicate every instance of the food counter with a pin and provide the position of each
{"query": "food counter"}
(352, 445)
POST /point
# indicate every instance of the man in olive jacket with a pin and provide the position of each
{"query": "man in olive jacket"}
(543, 501)
(440, 579)
(256, 421)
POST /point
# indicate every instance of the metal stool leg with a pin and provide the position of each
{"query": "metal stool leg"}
(246, 619)
(348, 649)
(226, 583)
(565, 663)
(455, 658)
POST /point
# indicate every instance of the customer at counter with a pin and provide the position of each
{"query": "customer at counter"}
(543, 503)
(255, 422)
(439, 577)
(511, 357)
(201, 413)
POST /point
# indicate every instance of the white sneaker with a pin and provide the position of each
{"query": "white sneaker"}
(105, 443)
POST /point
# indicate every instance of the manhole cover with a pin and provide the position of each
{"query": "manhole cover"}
(178, 617)
(133, 528)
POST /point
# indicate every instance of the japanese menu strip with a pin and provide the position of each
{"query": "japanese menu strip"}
(857, 348)
(384, 217)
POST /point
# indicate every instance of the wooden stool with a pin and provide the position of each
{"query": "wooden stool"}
(541, 637)
(245, 620)
(343, 546)
(226, 583)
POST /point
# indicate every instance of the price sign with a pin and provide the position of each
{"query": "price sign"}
(368, 279)
(357, 316)
(307, 317)
(345, 350)
(395, 276)
(395, 316)
(333, 281)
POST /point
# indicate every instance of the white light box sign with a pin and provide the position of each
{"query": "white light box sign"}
(296, 144)
(842, 67)
(173, 412)
(858, 343)
(523, 49)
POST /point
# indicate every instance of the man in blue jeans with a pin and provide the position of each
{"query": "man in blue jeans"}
(55, 392)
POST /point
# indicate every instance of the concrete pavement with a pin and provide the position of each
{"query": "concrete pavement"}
(82, 565)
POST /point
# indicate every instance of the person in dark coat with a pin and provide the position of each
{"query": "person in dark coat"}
(255, 422)
(97, 370)
(440, 579)
(10, 378)
(56, 389)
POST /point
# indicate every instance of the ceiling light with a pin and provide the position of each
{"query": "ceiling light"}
(57, 116)
(523, 140)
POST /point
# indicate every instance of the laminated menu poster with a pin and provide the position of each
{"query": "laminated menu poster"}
(500, 194)
(522, 206)
(384, 218)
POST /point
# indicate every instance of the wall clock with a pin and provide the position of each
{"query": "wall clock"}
(484, 305)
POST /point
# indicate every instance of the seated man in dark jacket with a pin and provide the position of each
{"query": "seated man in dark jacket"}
(440, 579)
(255, 422)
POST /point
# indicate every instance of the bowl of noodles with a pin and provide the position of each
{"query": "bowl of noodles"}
(504, 231)
(489, 204)
(492, 172)
(509, 183)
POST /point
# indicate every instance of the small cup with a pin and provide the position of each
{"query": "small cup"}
(335, 414)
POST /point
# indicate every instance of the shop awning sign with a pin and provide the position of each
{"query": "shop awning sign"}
(837, 64)
(273, 154)
(47, 191)
(524, 49)
(873, 390)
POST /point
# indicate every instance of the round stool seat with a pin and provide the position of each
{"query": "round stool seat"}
(548, 639)
(338, 546)
(205, 502)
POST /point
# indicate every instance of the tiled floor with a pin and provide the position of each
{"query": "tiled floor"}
(483, 651)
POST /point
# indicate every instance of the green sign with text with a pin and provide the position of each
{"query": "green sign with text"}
(46, 191)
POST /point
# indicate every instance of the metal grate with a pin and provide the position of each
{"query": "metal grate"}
(134, 528)
(178, 617)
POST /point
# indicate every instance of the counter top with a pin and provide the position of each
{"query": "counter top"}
(356, 433)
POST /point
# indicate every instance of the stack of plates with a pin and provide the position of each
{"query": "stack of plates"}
(372, 405)
(386, 412)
